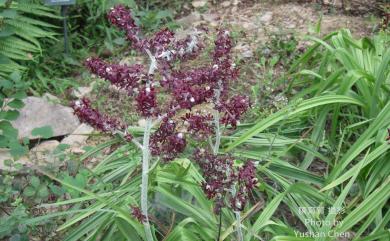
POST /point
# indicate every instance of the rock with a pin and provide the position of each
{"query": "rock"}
(82, 91)
(38, 112)
(266, 18)
(291, 25)
(225, 4)
(199, 3)
(44, 152)
(5, 155)
(210, 17)
(46, 146)
(77, 150)
(188, 21)
(79, 136)
(51, 98)
(244, 50)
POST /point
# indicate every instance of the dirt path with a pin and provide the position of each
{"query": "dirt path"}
(259, 20)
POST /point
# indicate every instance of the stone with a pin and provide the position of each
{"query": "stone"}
(5, 155)
(244, 50)
(199, 3)
(266, 18)
(225, 4)
(79, 136)
(188, 21)
(39, 112)
(82, 91)
(43, 153)
(51, 98)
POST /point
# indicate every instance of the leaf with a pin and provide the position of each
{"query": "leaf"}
(127, 230)
(290, 112)
(43, 192)
(29, 191)
(374, 201)
(9, 115)
(8, 130)
(267, 213)
(44, 132)
(17, 104)
(34, 181)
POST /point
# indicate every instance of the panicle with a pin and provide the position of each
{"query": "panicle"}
(233, 109)
(84, 111)
(122, 76)
(166, 141)
(137, 214)
(147, 101)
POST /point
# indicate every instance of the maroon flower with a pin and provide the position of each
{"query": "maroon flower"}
(223, 45)
(122, 76)
(137, 213)
(166, 141)
(221, 177)
(198, 125)
(233, 109)
(218, 173)
(147, 102)
(161, 39)
(84, 111)
(121, 17)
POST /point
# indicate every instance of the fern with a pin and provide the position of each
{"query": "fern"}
(21, 29)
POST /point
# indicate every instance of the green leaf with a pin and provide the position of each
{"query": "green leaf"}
(290, 112)
(34, 181)
(43, 192)
(44, 132)
(9, 115)
(8, 130)
(16, 103)
(373, 202)
(127, 230)
(267, 213)
(29, 191)
(16, 149)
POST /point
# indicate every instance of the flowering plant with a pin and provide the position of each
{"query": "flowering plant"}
(166, 132)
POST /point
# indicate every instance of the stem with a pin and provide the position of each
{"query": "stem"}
(217, 96)
(144, 184)
(220, 225)
(238, 226)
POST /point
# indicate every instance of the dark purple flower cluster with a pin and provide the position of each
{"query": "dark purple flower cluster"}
(222, 177)
(121, 17)
(187, 96)
(122, 76)
(84, 111)
(147, 101)
(161, 39)
(167, 142)
(186, 88)
(233, 109)
(137, 214)
(223, 46)
(246, 181)
(198, 125)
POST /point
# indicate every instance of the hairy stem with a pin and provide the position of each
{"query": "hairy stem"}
(217, 96)
(238, 226)
(144, 184)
